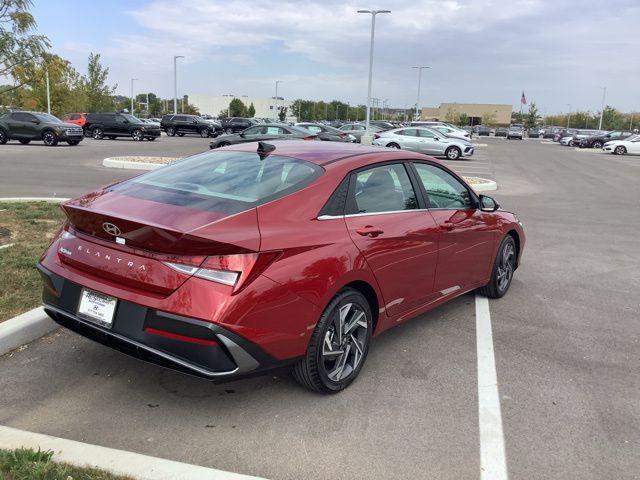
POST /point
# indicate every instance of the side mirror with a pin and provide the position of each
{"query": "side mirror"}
(488, 204)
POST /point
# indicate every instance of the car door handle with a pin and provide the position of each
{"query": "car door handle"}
(369, 231)
(448, 226)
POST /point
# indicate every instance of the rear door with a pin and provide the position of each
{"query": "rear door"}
(395, 234)
(468, 236)
(408, 139)
(21, 124)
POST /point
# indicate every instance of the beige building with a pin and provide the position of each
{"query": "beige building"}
(478, 113)
(212, 105)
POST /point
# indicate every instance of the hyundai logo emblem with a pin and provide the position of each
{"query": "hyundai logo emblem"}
(111, 229)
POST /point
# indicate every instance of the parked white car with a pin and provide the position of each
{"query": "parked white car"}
(424, 140)
(629, 145)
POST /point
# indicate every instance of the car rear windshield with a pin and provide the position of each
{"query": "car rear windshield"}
(227, 182)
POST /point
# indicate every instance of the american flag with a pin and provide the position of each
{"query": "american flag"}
(523, 99)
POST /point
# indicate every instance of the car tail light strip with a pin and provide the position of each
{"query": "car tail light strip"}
(237, 271)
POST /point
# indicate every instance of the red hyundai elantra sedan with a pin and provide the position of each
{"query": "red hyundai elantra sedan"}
(239, 260)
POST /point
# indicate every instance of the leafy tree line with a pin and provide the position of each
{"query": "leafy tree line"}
(612, 119)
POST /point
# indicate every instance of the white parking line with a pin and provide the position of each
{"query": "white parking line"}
(493, 464)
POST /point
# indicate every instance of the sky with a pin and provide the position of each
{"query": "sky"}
(559, 53)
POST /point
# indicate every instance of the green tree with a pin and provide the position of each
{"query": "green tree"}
(238, 108)
(99, 94)
(251, 111)
(488, 118)
(463, 119)
(282, 113)
(19, 48)
(531, 118)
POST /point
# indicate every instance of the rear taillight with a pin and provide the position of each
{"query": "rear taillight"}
(376, 136)
(237, 271)
(312, 137)
(342, 135)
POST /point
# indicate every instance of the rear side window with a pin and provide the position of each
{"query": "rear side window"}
(386, 188)
(229, 182)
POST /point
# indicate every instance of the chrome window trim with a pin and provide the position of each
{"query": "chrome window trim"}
(335, 217)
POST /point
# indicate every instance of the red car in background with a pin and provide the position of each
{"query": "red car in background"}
(77, 118)
(255, 256)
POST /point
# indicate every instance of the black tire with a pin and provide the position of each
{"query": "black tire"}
(171, 131)
(223, 144)
(97, 133)
(620, 150)
(393, 145)
(597, 144)
(205, 132)
(453, 153)
(496, 288)
(151, 139)
(137, 135)
(50, 138)
(112, 137)
(181, 134)
(311, 371)
(25, 141)
(229, 131)
(73, 143)
(3, 137)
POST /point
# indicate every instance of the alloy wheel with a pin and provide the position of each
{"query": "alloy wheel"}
(204, 133)
(97, 133)
(49, 139)
(597, 145)
(137, 135)
(171, 131)
(345, 342)
(3, 137)
(506, 266)
(620, 150)
(453, 153)
(394, 145)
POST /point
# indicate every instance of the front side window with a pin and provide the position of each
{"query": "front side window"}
(443, 189)
(426, 133)
(228, 182)
(386, 188)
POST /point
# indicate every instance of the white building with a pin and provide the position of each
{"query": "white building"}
(213, 105)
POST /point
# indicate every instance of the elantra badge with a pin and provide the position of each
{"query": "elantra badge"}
(111, 229)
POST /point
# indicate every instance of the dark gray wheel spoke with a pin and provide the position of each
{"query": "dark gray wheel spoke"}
(344, 342)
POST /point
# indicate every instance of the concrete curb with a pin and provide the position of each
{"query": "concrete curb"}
(480, 145)
(121, 462)
(33, 199)
(486, 185)
(24, 329)
(115, 163)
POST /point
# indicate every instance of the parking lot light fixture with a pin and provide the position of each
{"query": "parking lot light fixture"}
(373, 14)
(604, 96)
(419, 68)
(132, 95)
(277, 82)
(175, 83)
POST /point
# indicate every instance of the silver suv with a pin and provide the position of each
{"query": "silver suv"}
(424, 140)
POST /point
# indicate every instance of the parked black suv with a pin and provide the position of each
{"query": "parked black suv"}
(597, 141)
(112, 125)
(27, 126)
(182, 124)
(237, 124)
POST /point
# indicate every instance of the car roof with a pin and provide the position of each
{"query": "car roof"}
(325, 153)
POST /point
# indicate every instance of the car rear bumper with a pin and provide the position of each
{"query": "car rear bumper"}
(181, 343)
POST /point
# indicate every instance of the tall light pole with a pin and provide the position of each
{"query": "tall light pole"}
(569, 116)
(175, 83)
(46, 73)
(131, 111)
(277, 82)
(604, 96)
(419, 68)
(373, 14)
(231, 97)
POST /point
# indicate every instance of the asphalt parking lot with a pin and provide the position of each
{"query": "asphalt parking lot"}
(566, 340)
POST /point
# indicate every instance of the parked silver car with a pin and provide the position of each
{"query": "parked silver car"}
(358, 129)
(424, 140)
